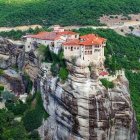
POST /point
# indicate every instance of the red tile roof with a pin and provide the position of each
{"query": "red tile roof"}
(72, 42)
(44, 36)
(103, 73)
(86, 40)
(92, 39)
(50, 35)
(67, 33)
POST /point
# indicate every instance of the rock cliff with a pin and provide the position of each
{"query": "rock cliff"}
(11, 63)
(82, 109)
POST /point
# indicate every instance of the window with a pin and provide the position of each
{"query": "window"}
(96, 50)
(71, 48)
(88, 47)
(77, 48)
(66, 48)
(97, 46)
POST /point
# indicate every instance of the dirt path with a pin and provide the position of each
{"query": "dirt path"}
(122, 25)
(125, 24)
(22, 28)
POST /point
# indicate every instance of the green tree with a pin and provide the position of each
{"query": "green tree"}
(9, 128)
(34, 135)
(32, 120)
(16, 133)
(63, 74)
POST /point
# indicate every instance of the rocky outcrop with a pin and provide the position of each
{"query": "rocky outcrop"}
(10, 54)
(11, 63)
(12, 81)
(82, 109)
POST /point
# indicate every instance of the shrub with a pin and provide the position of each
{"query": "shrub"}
(1, 72)
(34, 135)
(107, 84)
(33, 118)
(28, 82)
(6, 95)
(63, 74)
(54, 69)
(1, 88)
(17, 108)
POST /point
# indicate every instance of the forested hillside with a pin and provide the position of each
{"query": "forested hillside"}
(64, 12)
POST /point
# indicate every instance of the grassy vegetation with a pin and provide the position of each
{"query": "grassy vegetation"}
(70, 12)
(107, 84)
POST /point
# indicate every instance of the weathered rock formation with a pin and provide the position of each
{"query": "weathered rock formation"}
(12, 81)
(32, 64)
(10, 54)
(11, 60)
(82, 109)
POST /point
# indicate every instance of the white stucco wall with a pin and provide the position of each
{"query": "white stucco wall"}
(29, 43)
(72, 53)
(83, 53)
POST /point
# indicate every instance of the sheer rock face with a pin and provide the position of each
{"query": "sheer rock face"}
(31, 65)
(82, 109)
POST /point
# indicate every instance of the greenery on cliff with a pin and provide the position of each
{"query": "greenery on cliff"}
(19, 120)
(134, 80)
(64, 12)
(11, 129)
(58, 67)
